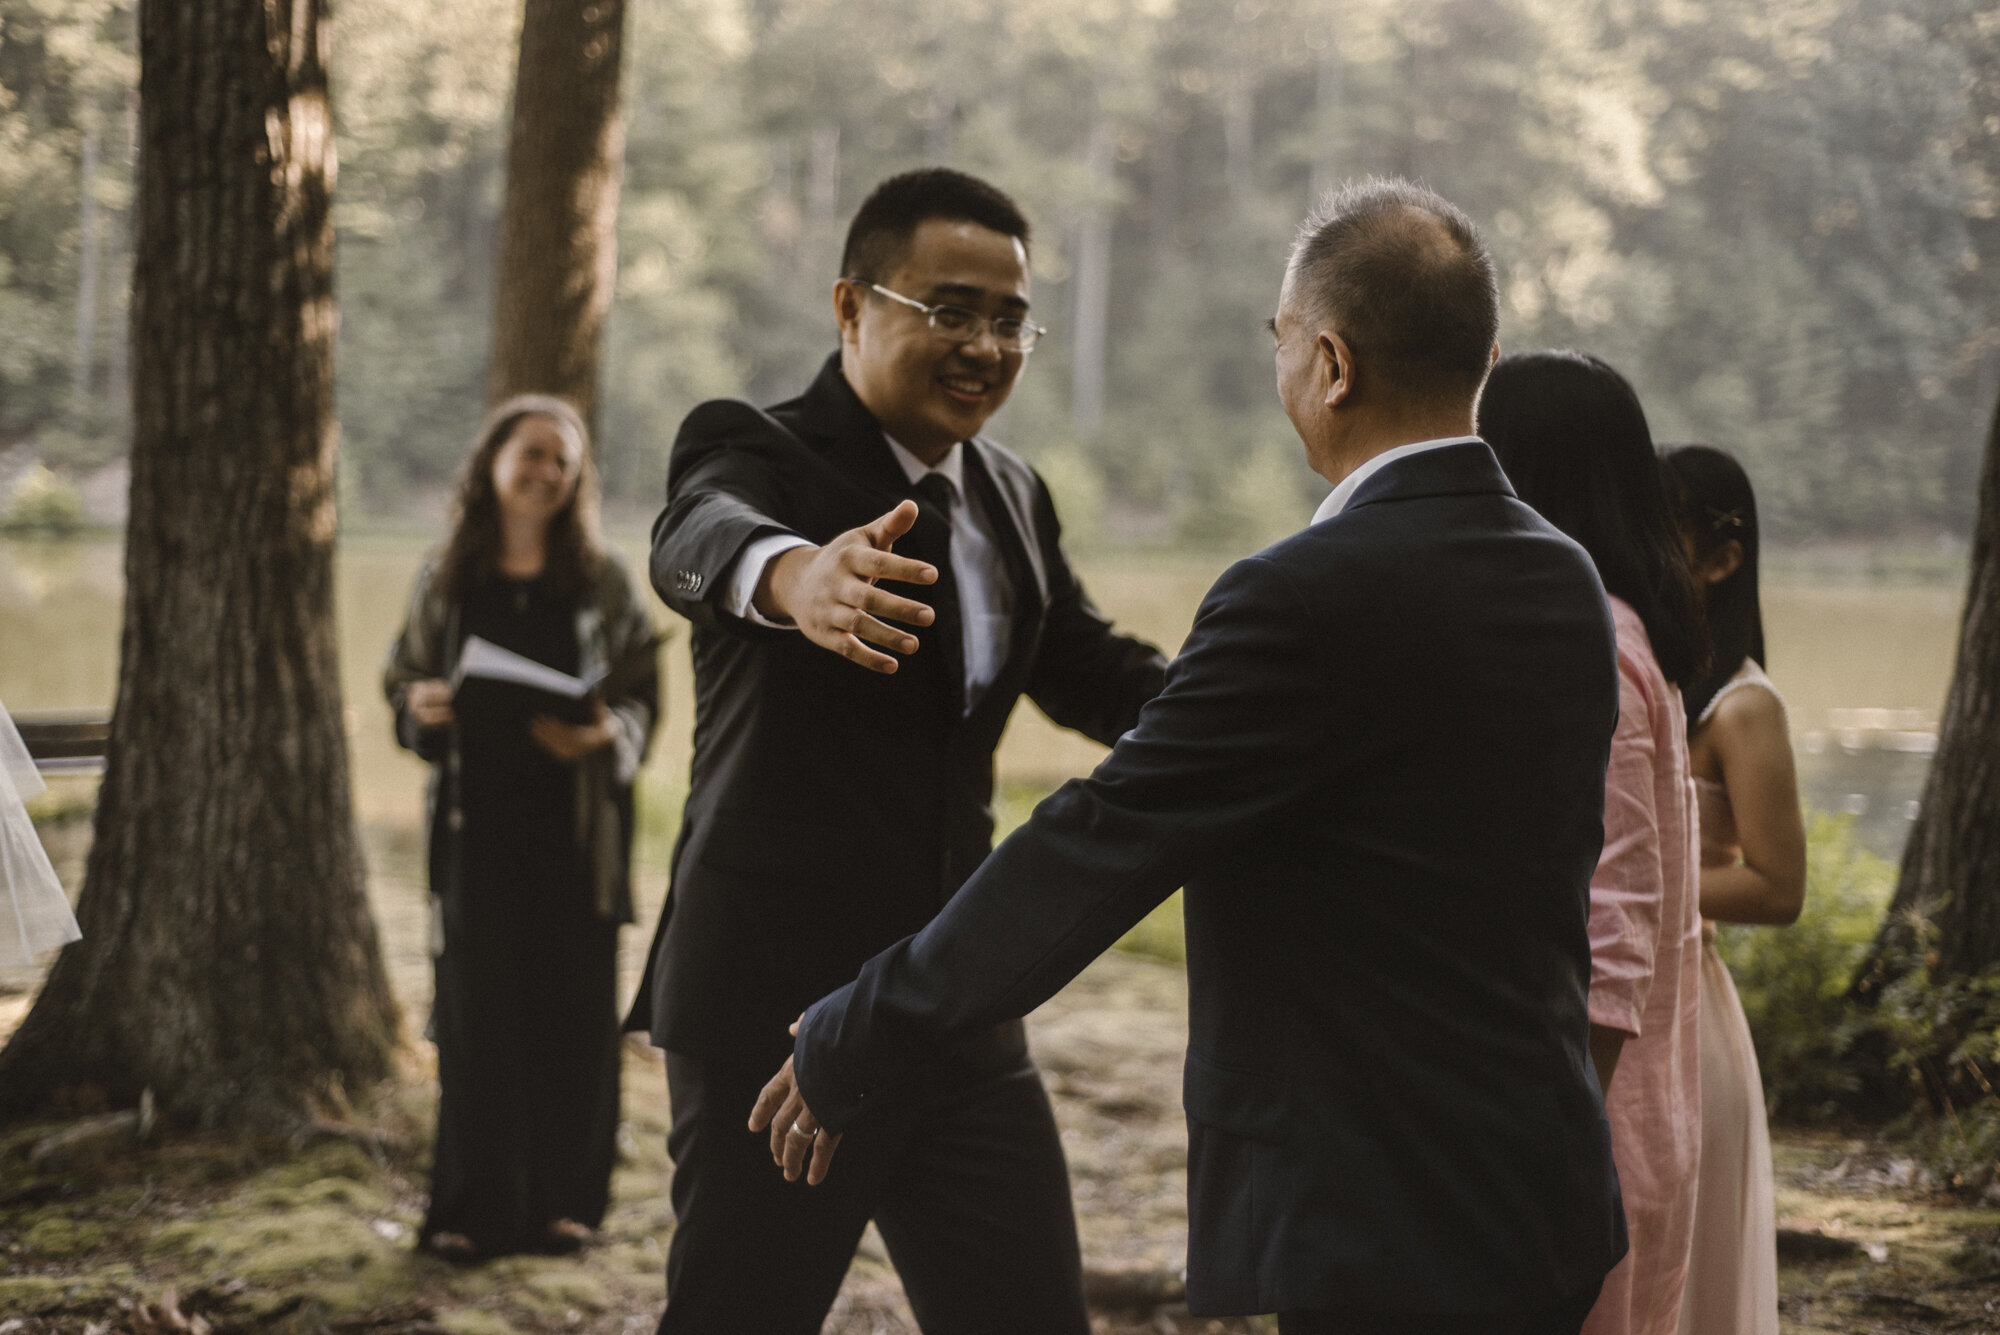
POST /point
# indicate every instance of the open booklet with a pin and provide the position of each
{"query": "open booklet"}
(491, 680)
(483, 658)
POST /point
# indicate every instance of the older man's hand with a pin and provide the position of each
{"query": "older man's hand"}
(795, 1132)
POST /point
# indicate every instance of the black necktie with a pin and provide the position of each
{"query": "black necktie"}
(937, 489)
(935, 495)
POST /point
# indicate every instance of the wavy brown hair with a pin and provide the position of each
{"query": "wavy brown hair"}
(472, 553)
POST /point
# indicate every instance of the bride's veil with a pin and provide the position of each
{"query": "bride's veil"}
(36, 915)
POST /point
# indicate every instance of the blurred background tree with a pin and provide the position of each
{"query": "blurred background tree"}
(558, 244)
(1780, 217)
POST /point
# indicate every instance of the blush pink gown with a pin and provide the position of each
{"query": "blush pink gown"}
(1645, 958)
(1732, 1284)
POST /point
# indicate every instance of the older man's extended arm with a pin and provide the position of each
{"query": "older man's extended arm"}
(1234, 741)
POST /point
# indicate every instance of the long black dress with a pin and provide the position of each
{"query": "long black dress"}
(525, 1015)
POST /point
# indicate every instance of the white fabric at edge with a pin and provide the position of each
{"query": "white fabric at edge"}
(41, 914)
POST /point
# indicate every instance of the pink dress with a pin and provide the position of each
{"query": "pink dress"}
(1732, 1284)
(1645, 963)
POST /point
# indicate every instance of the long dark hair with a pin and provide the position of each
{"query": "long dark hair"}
(1574, 441)
(472, 552)
(1713, 503)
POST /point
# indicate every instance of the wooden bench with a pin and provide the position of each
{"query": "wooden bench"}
(65, 742)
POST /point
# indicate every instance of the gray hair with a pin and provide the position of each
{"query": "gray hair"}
(1402, 275)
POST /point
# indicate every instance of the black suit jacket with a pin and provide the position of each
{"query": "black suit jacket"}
(1378, 767)
(832, 809)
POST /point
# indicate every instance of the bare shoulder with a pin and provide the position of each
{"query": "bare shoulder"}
(1748, 721)
(1752, 707)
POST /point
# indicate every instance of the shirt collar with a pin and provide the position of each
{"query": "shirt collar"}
(1342, 494)
(952, 465)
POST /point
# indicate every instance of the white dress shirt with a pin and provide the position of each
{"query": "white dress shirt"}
(984, 602)
(1342, 494)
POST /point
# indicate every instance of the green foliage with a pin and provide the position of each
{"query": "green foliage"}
(1077, 487)
(420, 101)
(66, 80)
(43, 505)
(1943, 1036)
(1780, 217)
(1794, 981)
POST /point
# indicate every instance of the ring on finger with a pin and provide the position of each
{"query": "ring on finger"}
(798, 1130)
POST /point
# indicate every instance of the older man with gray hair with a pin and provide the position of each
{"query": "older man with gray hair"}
(1378, 769)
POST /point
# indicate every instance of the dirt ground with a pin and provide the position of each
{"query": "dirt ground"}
(314, 1234)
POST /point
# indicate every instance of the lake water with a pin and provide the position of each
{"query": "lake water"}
(1864, 668)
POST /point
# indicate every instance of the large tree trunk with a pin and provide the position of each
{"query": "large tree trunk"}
(558, 229)
(1948, 899)
(228, 959)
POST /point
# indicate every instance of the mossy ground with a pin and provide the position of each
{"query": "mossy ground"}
(307, 1236)
(316, 1235)
(1930, 1262)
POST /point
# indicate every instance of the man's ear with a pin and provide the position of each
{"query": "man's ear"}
(1493, 355)
(846, 308)
(1337, 366)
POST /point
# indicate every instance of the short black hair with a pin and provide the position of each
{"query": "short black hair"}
(1401, 273)
(1574, 441)
(879, 236)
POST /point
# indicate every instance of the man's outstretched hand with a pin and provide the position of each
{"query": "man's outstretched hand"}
(829, 592)
(795, 1132)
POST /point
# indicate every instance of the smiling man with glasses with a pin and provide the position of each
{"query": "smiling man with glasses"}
(958, 325)
(872, 586)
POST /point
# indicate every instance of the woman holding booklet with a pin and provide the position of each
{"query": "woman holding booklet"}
(526, 674)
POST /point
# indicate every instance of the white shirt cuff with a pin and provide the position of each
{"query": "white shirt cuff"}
(739, 599)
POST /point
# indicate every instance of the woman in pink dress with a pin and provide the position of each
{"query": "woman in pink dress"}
(1753, 870)
(1571, 434)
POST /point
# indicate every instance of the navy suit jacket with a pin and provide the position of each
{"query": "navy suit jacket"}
(1378, 769)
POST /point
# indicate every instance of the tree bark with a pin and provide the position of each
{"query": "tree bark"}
(228, 960)
(558, 261)
(1951, 864)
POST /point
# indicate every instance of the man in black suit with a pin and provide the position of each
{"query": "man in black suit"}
(835, 805)
(1378, 769)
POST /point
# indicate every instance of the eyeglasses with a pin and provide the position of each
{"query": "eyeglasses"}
(960, 325)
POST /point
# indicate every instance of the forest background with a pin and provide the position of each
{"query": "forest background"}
(1781, 218)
